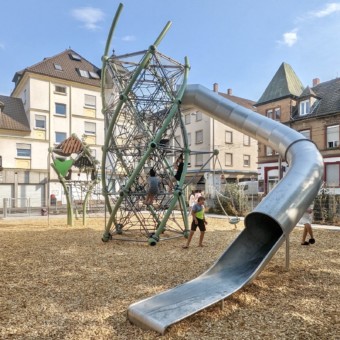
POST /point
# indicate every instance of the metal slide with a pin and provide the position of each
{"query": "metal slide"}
(265, 228)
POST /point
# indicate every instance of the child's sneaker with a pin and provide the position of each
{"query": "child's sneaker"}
(311, 240)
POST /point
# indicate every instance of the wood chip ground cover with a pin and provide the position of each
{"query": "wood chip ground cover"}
(60, 282)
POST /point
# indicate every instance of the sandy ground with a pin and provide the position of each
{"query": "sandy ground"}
(60, 282)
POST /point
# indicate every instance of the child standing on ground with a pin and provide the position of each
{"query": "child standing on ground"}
(153, 187)
(198, 220)
(306, 220)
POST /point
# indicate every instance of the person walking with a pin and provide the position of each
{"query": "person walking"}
(192, 201)
(198, 220)
(306, 220)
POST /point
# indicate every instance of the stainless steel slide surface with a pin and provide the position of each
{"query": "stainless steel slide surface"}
(265, 228)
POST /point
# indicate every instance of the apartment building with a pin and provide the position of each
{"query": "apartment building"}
(51, 100)
(237, 158)
(313, 111)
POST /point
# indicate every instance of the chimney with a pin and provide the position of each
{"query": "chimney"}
(230, 92)
(215, 87)
(316, 81)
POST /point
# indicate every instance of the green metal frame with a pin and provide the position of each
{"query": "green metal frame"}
(153, 144)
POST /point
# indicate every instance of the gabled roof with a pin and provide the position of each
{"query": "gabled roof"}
(12, 114)
(285, 83)
(64, 66)
(328, 94)
(307, 92)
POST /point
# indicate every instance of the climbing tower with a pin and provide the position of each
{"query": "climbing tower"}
(144, 130)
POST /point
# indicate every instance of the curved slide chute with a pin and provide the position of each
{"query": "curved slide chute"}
(266, 228)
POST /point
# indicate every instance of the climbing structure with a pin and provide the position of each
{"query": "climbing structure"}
(77, 172)
(143, 129)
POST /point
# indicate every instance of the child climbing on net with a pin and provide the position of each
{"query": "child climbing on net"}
(153, 187)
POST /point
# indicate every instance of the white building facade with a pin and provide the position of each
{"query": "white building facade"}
(60, 96)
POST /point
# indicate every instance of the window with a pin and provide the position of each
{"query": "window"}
(274, 114)
(246, 140)
(189, 161)
(269, 114)
(40, 122)
(269, 151)
(228, 159)
(94, 75)
(187, 118)
(305, 133)
(332, 136)
(23, 150)
(83, 73)
(333, 174)
(228, 137)
(90, 100)
(199, 159)
(24, 99)
(198, 116)
(74, 56)
(60, 137)
(199, 136)
(246, 160)
(60, 109)
(60, 89)
(177, 141)
(277, 114)
(304, 107)
(58, 67)
(189, 138)
(90, 128)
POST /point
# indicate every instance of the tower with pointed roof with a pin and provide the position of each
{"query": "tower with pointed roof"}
(313, 111)
(277, 102)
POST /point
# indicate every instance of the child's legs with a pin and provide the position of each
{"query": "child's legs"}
(304, 234)
(200, 243)
(309, 230)
(192, 232)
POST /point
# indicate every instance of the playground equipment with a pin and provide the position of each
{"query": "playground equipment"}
(70, 155)
(141, 104)
(266, 228)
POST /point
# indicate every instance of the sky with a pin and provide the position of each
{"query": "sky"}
(239, 44)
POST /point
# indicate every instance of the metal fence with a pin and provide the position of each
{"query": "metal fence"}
(326, 207)
(22, 207)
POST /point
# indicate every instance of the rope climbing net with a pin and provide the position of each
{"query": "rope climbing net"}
(143, 130)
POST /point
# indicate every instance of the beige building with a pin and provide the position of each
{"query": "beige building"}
(52, 100)
(237, 158)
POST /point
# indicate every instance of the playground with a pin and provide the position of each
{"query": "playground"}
(61, 282)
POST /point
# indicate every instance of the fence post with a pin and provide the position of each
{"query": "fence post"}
(5, 207)
(287, 253)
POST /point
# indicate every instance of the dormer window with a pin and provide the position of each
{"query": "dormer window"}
(84, 73)
(74, 56)
(94, 75)
(304, 107)
(58, 67)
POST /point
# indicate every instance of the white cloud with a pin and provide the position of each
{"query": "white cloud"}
(327, 10)
(89, 16)
(129, 38)
(289, 38)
